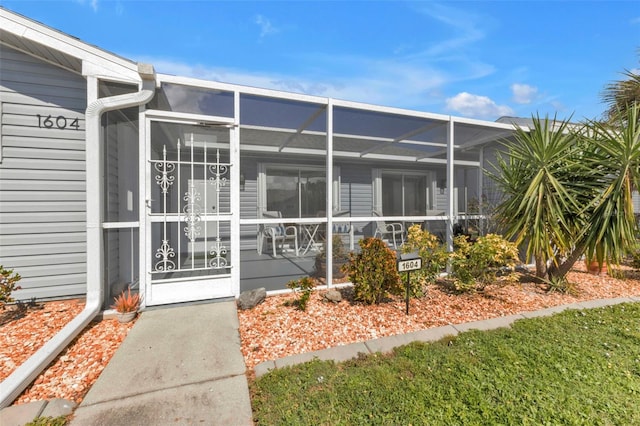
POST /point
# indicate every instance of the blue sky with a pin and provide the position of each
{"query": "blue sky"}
(473, 59)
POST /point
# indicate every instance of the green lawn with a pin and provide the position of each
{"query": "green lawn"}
(577, 367)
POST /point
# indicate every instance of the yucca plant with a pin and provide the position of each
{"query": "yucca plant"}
(547, 187)
(613, 229)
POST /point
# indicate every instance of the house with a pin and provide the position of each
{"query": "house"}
(113, 174)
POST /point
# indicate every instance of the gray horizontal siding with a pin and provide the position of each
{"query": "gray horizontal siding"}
(9, 141)
(35, 228)
(42, 217)
(61, 102)
(47, 238)
(7, 174)
(41, 185)
(45, 154)
(58, 259)
(249, 203)
(356, 189)
(42, 206)
(52, 195)
(42, 177)
(34, 89)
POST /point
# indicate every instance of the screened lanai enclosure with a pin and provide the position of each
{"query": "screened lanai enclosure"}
(186, 189)
(249, 185)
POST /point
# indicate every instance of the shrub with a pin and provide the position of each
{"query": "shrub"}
(433, 253)
(303, 286)
(476, 265)
(48, 421)
(373, 272)
(8, 280)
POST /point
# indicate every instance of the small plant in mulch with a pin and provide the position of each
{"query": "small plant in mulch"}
(48, 421)
(127, 302)
(8, 280)
(303, 288)
(561, 285)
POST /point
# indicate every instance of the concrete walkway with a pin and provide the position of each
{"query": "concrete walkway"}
(177, 366)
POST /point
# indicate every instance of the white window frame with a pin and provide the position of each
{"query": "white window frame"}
(376, 179)
(262, 182)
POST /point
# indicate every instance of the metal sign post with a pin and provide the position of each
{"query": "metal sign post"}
(409, 262)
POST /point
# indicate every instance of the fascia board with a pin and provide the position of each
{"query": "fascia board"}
(103, 62)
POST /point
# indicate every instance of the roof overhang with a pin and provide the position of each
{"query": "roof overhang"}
(62, 50)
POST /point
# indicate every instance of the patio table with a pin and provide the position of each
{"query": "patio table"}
(309, 233)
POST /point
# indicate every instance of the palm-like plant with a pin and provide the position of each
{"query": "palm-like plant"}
(621, 95)
(616, 151)
(570, 191)
(547, 187)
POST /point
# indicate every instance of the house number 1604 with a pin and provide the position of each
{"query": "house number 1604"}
(59, 122)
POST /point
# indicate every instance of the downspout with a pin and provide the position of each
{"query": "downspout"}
(27, 372)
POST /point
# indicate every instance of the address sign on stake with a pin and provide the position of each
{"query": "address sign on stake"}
(409, 262)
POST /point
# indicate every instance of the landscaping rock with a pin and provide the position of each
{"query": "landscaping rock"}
(333, 296)
(252, 298)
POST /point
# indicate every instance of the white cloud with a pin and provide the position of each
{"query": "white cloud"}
(266, 27)
(92, 3)
(466, 26)
(523, 93)
(477, 106)
(384, 83)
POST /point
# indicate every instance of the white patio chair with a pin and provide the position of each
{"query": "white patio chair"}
(394, 229)
(277, 232)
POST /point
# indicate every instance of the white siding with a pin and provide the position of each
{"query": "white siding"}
(42, 176)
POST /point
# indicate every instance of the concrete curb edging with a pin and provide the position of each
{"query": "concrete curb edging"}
(388, 343)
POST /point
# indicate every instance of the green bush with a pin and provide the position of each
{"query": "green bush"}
(373, 272)
(433, 253)
(48, 421)
(476, 265)
(303, 286)
(8, 280)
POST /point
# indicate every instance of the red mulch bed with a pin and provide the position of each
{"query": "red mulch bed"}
(75, 370)
(272, 330)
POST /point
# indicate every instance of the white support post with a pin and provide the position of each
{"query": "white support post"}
(94, 180)
(450, 183)
(329, 208)
(234, 159)
(480, 191)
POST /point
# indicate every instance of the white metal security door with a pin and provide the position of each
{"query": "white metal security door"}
(188, 212)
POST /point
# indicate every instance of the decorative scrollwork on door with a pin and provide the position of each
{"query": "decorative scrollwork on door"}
(165, 179)
(192, 211)
(164, 253)
(218, 253)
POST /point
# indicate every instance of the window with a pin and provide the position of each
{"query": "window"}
(402, 193)
(295, 191)
(194, 100)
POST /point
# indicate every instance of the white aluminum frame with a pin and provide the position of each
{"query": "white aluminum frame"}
(177, 290)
